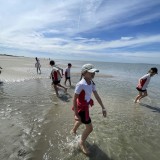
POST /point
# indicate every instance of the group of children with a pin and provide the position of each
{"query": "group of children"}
(82, 96)
(56, 76)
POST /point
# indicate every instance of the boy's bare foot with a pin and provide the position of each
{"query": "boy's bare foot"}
(73, 133)
(83, 148)
(138, 101)
(135, 101)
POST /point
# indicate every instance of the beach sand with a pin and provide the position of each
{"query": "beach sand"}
(17, 133)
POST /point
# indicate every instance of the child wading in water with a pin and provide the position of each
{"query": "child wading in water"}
(0, 70)
(38, 65)
(68, 74)
(56, 78)
(143, 83)
(82, 100)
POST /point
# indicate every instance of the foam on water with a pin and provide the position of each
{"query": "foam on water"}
(72, 143)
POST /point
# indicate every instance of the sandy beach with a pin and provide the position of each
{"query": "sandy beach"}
(35, 124)
(19, 71)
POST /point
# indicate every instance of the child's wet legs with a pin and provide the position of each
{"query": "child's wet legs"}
(76, 125)
(86, 132)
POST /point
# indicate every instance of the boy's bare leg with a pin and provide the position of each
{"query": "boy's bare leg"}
(40, 70)
(70, 82)
(65, 81)
(138, 96)
(85, 134)
(56, 90)
(65, 88)
(76, 125)
(144, 95)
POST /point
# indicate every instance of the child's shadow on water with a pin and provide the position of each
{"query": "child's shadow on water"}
(65, 97)
(154, 109)
(72, 87)
(97, 153)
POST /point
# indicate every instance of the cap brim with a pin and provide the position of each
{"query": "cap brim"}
(93, 70)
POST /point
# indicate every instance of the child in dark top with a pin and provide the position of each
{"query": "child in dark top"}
(0, 70)
(68, 74)
(38, 65)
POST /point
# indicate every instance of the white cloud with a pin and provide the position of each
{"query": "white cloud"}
(126, 38)
(55, 26)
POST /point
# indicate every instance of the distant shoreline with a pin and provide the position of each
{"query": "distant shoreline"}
(10, 55)
(57, 59)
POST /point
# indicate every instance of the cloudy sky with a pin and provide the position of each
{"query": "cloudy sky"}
(104, 30)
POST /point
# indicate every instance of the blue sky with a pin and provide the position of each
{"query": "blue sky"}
(103, 30)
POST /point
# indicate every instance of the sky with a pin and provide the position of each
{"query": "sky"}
(96, 30)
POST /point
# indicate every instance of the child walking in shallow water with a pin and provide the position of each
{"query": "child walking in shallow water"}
(68, 74)
(0, 70)
(81, 102)
(56, 78)
(38, 65)
(143, 83)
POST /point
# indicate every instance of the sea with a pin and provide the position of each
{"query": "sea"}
(35, 124)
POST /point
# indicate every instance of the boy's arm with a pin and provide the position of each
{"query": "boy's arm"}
(60, 69)
(141, 81)
(50, 75)
(75, 107)
(59, 73)
(100, 102)
(65, 73)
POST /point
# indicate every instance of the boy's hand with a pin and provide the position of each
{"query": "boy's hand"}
(104, 112)
(77, 117)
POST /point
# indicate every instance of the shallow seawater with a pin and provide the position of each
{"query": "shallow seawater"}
(35, 124)
(129, 132)
(23, 109)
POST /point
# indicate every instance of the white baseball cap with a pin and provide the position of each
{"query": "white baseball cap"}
(89, 68)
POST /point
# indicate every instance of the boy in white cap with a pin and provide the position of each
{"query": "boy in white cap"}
(81, 102)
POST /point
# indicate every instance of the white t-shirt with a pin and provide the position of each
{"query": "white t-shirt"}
(144, 81)
(37, 64)
(82, 85)
(67, 72)
(56, 76)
